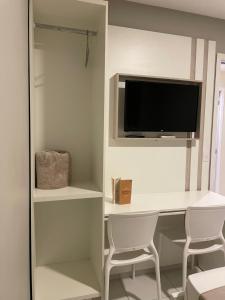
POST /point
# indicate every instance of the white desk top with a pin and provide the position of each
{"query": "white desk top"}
(165, 203)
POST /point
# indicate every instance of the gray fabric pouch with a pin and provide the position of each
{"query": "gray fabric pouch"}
(52, 169)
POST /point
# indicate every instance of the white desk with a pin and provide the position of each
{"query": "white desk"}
(165, 203)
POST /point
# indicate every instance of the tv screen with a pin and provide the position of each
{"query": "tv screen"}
(161, 106)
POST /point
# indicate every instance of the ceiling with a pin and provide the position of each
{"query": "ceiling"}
(212, 8)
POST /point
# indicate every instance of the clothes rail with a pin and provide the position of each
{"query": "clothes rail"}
(88, 33)
(65, 29)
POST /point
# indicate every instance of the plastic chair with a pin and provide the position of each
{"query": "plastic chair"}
(203, 226)
(132, 234)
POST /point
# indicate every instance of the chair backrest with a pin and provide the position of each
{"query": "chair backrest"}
(204, 223)
(131, 231)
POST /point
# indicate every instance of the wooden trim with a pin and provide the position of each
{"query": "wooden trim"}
(202, 116)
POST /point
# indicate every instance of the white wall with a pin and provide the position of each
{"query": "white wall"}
(156, 167)
(222, 170)
(221, 84)
(218, 175)
(14, 159)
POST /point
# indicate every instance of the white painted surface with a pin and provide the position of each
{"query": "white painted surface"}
(96, 243)
(141, 52)
(64, 194)
(71, 280)
(222, 160)
(62, 99)
(205, 281)
(67, 111)
(98, 90)
(217, 158)
(165, 202)
(14, 161)
(69, 12)
(216, 260)
(68, 100)
(62, 231)
(214, 9)
(218, 85)
(98, 82)
(211, 199)
(153, 168)
(220, 112)
(222, 168)
(200, 43)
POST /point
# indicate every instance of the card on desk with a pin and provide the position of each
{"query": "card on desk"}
(125, 187)
(121, 190)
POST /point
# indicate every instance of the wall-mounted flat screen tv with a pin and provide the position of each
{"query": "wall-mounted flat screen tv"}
(161, 106)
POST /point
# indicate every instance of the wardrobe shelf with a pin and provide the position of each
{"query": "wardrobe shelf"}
(84, 191)
(64, 281)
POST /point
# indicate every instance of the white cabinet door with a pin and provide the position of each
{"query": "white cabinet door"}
(14, 158)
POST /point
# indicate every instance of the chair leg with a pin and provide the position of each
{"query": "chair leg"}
(158, 279)
(224, 253)
(107, 276)
(160, 244)
(133, 271)
(184, 275)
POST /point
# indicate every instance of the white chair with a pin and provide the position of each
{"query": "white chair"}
(132, 234)
(204, 282)
(203, 226)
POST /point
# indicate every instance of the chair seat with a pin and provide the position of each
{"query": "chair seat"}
(130, 258)
(179, 238)
(199, 249)
(202, 282)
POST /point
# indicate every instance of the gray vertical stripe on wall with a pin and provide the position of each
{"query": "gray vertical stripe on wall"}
(193, 58)
(189, 143)
(202, 118)
(213, 120)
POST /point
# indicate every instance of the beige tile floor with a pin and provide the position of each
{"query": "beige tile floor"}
(143, 287)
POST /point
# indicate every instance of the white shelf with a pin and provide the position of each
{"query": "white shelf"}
(66, 281)
(67, 193)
